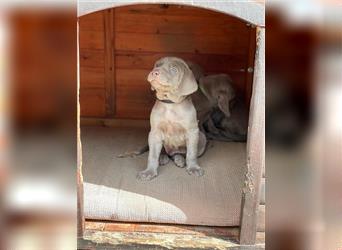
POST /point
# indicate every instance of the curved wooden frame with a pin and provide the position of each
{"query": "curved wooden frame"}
(251, 12)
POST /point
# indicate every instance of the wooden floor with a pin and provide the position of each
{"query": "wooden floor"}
(116, 235)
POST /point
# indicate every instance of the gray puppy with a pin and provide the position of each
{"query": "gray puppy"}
(222, 114)
(173, 119)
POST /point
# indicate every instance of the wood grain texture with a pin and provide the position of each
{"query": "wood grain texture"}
(134, 98)
(79, 176)
(181, 43)
(164, 236)
(261, 216)
(209, 62)
(263, 191)
(92, 21)
(217, 42)
(92, 62)
(80, 195)
(92, 58)
(250, 64)
(109, 63)
(139, 35)
(255, 147)
(165, 9)
(92, 102)
(92, 77)
(179, 24)
(162, 228)
(90, 39)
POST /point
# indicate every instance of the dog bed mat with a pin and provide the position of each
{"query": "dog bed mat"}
(112, 192)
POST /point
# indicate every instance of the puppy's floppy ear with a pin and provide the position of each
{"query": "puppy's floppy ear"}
(223, 104)
(224, 95)
(187, 84)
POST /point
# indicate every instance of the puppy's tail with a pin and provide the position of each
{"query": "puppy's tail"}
(134, 153)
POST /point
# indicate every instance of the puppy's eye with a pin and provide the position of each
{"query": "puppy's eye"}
(158, 64)
(173, 69)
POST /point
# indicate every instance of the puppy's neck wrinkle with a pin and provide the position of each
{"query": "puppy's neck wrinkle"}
(171, 102)
(166, 101)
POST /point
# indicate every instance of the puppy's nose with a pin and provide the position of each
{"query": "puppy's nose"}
(155, 73)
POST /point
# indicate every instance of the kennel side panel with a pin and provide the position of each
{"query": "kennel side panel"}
(92, 65)
(255, 147)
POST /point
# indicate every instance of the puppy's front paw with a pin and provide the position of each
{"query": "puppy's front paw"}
(195, 170)
(147, 174)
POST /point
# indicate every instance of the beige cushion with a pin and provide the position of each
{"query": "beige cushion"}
(112, 192)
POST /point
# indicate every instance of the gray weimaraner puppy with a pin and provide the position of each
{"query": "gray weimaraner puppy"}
(215, 91)
(224, 115)
(221, 113)
(173, 119)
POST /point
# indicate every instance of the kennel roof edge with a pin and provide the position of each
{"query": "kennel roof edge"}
(251, 11)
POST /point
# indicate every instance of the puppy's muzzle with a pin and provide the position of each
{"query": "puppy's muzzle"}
(154, 75)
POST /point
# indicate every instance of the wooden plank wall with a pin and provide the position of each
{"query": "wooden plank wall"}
(141, 34)
(92, 74)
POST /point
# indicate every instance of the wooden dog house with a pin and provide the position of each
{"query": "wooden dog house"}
(118, 46)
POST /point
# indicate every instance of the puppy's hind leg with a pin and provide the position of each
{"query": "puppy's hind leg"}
(179, 160)
(163, 159)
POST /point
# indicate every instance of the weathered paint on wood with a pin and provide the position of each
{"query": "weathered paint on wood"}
(255, 147)
(165, 228)
(79, 177)
(263, 191)
(249, 11)
(250, 65)
(114, 235)
(165, 9)
(261, 216)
